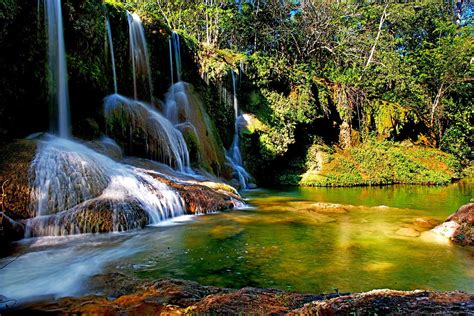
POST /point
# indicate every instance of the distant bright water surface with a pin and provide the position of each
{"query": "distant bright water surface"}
(289, 239)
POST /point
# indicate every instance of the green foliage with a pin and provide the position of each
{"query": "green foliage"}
(218, 63)
(281, 114)
(375, 163)
(308, 68)
(114, 3)
(387, 117)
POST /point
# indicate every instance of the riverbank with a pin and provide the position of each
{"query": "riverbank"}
(121, 296)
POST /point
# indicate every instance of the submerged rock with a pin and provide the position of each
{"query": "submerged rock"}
(459, 227)
(425, 222)
(407, 232)
(171, 296)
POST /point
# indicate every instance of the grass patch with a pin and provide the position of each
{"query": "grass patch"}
(381, 163)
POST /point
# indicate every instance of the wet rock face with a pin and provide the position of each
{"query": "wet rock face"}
(95, 216)
(10, 230)
(171, 296)
(205, 197)
(15, 159)
(459, 227)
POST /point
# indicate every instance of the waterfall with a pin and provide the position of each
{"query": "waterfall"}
(177, 107)
(175, 51)
(112, 55)
(175, 59)
(171, 61)
(70, 182)
(233, 156)
(139, 54)
(57, 68)
(163, 141)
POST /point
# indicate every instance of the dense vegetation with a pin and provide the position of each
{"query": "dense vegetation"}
(344, 73)
(355, 77)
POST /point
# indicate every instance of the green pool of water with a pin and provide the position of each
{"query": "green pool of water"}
(297, 239)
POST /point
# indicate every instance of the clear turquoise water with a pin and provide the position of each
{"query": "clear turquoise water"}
(288, 240)
(288, 243)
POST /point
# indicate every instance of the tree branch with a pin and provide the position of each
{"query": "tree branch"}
(382, 19)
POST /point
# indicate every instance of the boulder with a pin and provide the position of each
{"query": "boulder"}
(203, 197)
(459, 227)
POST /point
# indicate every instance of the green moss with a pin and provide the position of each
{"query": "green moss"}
(217, 63)
(387, 117)
(375, 163)
(114, 3)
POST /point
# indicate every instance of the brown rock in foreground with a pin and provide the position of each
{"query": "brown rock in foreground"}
(391, 302)
(459, 227)
(173, 297)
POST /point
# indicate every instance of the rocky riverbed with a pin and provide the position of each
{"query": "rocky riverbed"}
(117, 294)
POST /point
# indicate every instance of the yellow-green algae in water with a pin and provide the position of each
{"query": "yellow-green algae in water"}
(321, 239)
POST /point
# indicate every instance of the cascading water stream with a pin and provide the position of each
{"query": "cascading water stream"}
(177, 54)
(139, 54)
(176, 99)
(75, 189)
(171, 61)
(71, 182)
(234, 157)
(57, 68)
(164, 142)
(112, 55)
